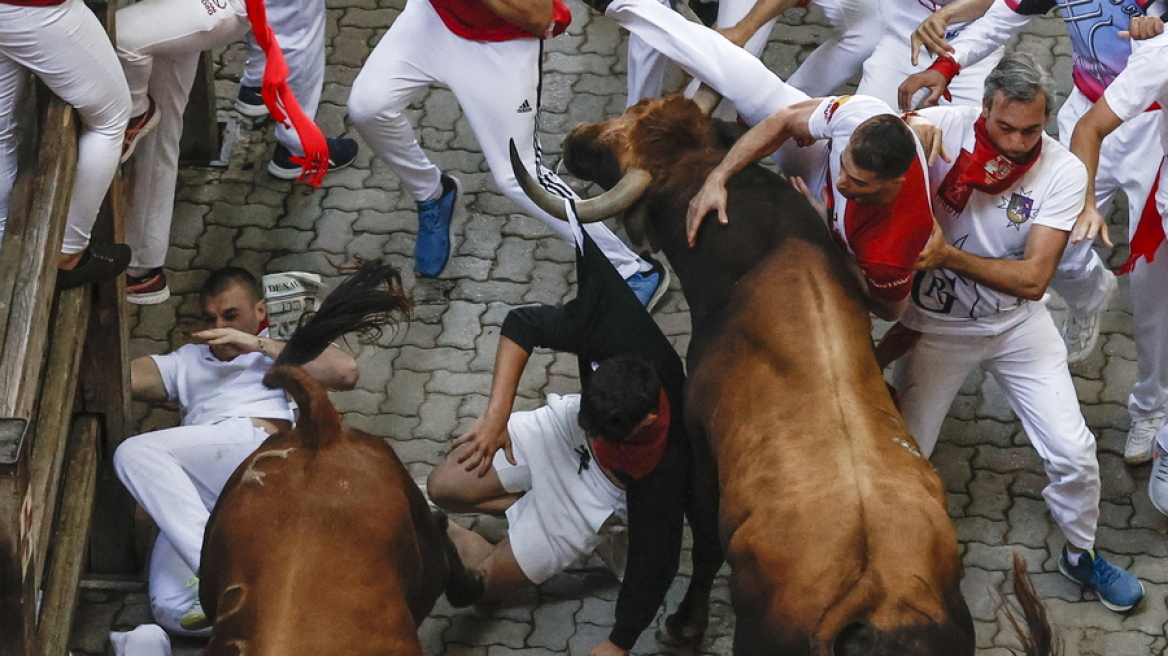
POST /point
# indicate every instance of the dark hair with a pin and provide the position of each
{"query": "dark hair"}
(883, 145)
(617, 397)
(227, 277)
(1020, 78)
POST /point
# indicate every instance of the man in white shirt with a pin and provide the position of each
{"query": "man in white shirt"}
(176, 474)
(1005, 208)
(1142, 83)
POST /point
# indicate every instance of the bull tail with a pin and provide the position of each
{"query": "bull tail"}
(368, 301)
(1033, 629)
(465, 585)
(318, 425)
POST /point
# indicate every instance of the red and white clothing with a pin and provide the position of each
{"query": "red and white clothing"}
(891, 62)
(496, 83)
(176, 474)
(884, 239)
(967, 324)
(159, 43)
(64, 45)
(1144, 81)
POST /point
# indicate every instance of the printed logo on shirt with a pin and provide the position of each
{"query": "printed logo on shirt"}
(935, 291)
(213, 6)
(1019, 209)
(829, 111)
(524, 108)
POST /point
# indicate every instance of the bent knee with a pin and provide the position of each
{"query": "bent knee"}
(443, 485)
(368, 104)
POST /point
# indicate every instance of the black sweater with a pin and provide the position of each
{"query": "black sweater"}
(604, 320)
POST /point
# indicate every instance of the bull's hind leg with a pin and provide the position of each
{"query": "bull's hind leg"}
(465, 585)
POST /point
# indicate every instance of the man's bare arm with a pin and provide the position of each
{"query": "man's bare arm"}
(146, 381)
(930, 34)
(1086, 141)
(761, 140)
(534, 16)
(1026, 278)
(333, 368)
(758, 16)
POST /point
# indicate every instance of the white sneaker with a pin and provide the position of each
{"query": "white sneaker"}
(1158, 483)
(1081, 332)
(1141, 440)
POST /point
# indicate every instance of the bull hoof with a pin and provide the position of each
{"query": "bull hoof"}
(672, 633)
(467, 589)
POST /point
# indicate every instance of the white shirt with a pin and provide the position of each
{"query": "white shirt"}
(1143, 82)
(902, 17)
(210, 390)
(993, 226)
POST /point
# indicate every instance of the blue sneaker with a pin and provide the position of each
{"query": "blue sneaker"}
(1117, 588)
(649, 286)
(342, 152)
(435, 235)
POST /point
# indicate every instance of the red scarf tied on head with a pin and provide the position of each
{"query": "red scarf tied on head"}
(641, 453)
(986, 170)
(282, 103)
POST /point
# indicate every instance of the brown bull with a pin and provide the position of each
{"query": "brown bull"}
(834, 526)
(321, 543)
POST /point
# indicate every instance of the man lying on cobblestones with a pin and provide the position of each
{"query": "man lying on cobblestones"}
(1143, 84)
(490, 52)
(176, 474)
(558, 473)
(1005, 207)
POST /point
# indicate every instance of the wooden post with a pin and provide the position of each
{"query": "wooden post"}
(201, 138)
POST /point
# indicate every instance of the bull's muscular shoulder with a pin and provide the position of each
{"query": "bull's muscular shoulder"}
(727, 133)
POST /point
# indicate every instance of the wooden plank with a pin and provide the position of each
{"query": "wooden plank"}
(69, 539)
(201, 138)
(15, 616)
(43, 202)
(54, 418)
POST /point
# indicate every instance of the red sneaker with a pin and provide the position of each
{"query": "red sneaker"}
(150, 289)
(139, 126)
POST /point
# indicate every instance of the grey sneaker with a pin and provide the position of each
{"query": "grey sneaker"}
(1141, 440)
(1081, 332)
(1158, 483)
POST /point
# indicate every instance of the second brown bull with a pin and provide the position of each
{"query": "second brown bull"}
(835, 527)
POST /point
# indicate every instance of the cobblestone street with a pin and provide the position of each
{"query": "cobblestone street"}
(425, 384)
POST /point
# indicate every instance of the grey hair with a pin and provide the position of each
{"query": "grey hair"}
(1020, 78)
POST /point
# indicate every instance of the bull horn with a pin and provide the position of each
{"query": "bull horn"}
(705, 97)
(589, 210)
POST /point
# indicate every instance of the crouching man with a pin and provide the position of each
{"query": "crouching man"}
(1005, 207)
(177, 474)
(618, 448)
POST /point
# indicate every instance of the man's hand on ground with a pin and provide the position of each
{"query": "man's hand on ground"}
(606, 648)
(484, 438)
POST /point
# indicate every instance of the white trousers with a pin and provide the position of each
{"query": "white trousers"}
(174, 588)
(177, 474)
(144, 640)
(855, 31)
(1029, 361)
(299, 26)
(159, 42)
(891, 63)
(1129, 160)
(68, 49)
(497, 85)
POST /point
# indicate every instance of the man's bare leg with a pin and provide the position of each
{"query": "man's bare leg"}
(497, 562)
(456, 490)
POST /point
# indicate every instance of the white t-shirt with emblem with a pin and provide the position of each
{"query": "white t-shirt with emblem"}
(210, 390)
(993, 226)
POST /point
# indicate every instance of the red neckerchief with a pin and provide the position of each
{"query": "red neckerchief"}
(640, 455)
(282, 103)
(1149, 232)
(986, 169)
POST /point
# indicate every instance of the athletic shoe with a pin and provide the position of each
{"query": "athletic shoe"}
(101, 261)
(342, 152)
(1118, 590)
(435, 233)
(138, 127)
(194, 619)
(250, 102)
(651, 285)
(1081, 333)
(1158, 483)
(1141, 440)
(150, 289)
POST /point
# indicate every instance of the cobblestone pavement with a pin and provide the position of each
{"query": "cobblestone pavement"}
(429, 381)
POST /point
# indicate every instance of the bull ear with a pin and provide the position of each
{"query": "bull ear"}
(612, 202)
